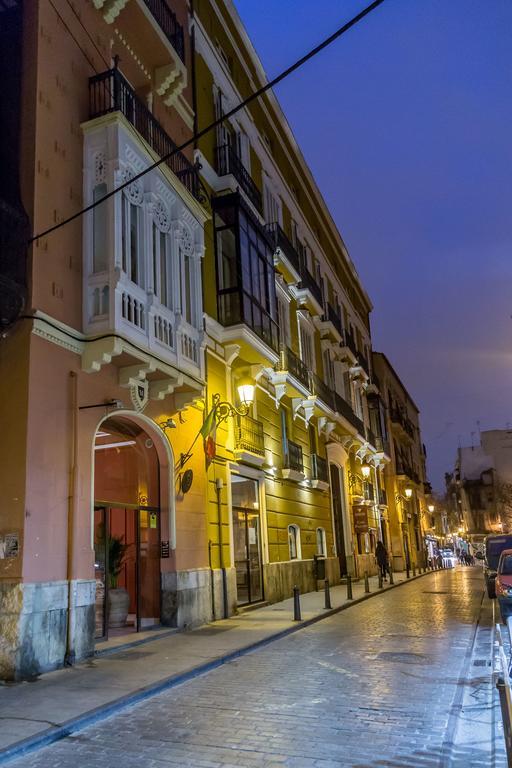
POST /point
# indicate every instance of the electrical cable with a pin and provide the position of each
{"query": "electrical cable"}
(77, 16)
(78, 45)
(253, 96)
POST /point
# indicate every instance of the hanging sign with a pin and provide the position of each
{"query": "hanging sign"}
(361, 519)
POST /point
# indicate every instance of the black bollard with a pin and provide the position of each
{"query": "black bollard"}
(414, 570)
(327, 594)
(296, 604)
(366, 582)
(380, 580)
(391, 580)
(349, 587)
(407, 571)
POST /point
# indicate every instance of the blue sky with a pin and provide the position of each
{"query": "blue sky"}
(406, 122)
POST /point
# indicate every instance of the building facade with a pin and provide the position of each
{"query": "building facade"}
(143, 486)
(408, 491)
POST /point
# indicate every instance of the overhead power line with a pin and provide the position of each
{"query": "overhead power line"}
(199, 134)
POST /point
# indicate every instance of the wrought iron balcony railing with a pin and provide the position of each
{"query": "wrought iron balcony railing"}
(345, 409)
(110, 92)
(363, 362)
(292, 458)
(368, 491)
(282, 242)
(308, 282)
(348, 341)
(249, 435)
(319, 468)
(323, 391)
(383, 497)
(228, 162)
(334, 318)
(169, 25)
(297, 368)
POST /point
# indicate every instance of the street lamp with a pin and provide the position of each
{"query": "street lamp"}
(408, 493)
(365, 470)
(223, 409)
(431, 508)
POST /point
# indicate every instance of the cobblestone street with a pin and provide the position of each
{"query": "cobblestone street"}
(376, 685)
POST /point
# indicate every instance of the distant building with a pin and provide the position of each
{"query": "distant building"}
(479, 490)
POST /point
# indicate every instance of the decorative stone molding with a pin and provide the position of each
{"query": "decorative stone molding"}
(110, 8)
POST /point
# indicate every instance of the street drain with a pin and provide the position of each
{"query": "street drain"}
(481, 663)
(404, 658)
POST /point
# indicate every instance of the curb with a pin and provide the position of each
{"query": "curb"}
(51, 735)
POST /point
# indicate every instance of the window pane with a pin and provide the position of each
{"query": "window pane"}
(164, 285)
(99, 223)
(226, 255)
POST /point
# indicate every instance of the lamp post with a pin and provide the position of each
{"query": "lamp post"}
(223, 409)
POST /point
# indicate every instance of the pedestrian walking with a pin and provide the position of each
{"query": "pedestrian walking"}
(381, 556)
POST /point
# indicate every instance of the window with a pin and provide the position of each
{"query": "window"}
(245, 271)
(283, 317)
(271, 206)
(307, 350)
(321, 543)
(313, 442)
(99, 226)
(132, 241)
(328, 369)
(187, 299)
(294, 542)
(285, 428)
(161, 266)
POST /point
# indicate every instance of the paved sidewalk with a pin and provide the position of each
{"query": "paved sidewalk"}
(60, 702)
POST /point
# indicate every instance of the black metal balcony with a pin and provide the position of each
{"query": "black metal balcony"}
(383, 497)
(228, 162)
(169, 25)
(368, 491)
(109, 92)
(319, 468)
(363, 362)
(284, 244)
(370, 436)
(323, 391)
(348, 341)
(297, 368)
(332, 316)
(292, 458)
(308, 283)
(249, 435)
(345, 409)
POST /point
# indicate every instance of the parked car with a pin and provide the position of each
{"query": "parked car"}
(494, 546)
(503, 583)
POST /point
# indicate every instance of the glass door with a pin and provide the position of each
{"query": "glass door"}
(246, 538)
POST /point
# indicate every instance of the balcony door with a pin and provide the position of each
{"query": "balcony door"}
(247, 540)
(339, 517)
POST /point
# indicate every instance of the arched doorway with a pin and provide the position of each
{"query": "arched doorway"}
(127, 528)
(338, 515)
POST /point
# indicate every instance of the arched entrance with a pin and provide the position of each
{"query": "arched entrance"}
(127, 528)
(339, 516)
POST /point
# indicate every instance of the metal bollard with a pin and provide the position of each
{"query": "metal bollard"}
(296, 604)
(414, 570)
(380, 581)
(391, 580)
(407, 571)
(327, 594)
(349, 587)
(366, 582)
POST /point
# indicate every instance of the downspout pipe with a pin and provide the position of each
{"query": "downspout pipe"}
(218, 487)
(69, 658)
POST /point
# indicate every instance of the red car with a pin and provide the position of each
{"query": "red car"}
(504, 583)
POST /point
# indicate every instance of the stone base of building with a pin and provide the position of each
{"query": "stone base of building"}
(34, 626)
(280, 578)
(366, 564)
(191, 598)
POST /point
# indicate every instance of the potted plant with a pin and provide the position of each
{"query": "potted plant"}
(118, 597)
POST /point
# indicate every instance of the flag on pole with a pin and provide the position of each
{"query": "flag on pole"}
(208, 432)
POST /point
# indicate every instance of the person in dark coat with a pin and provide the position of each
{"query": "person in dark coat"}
(382, 559)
